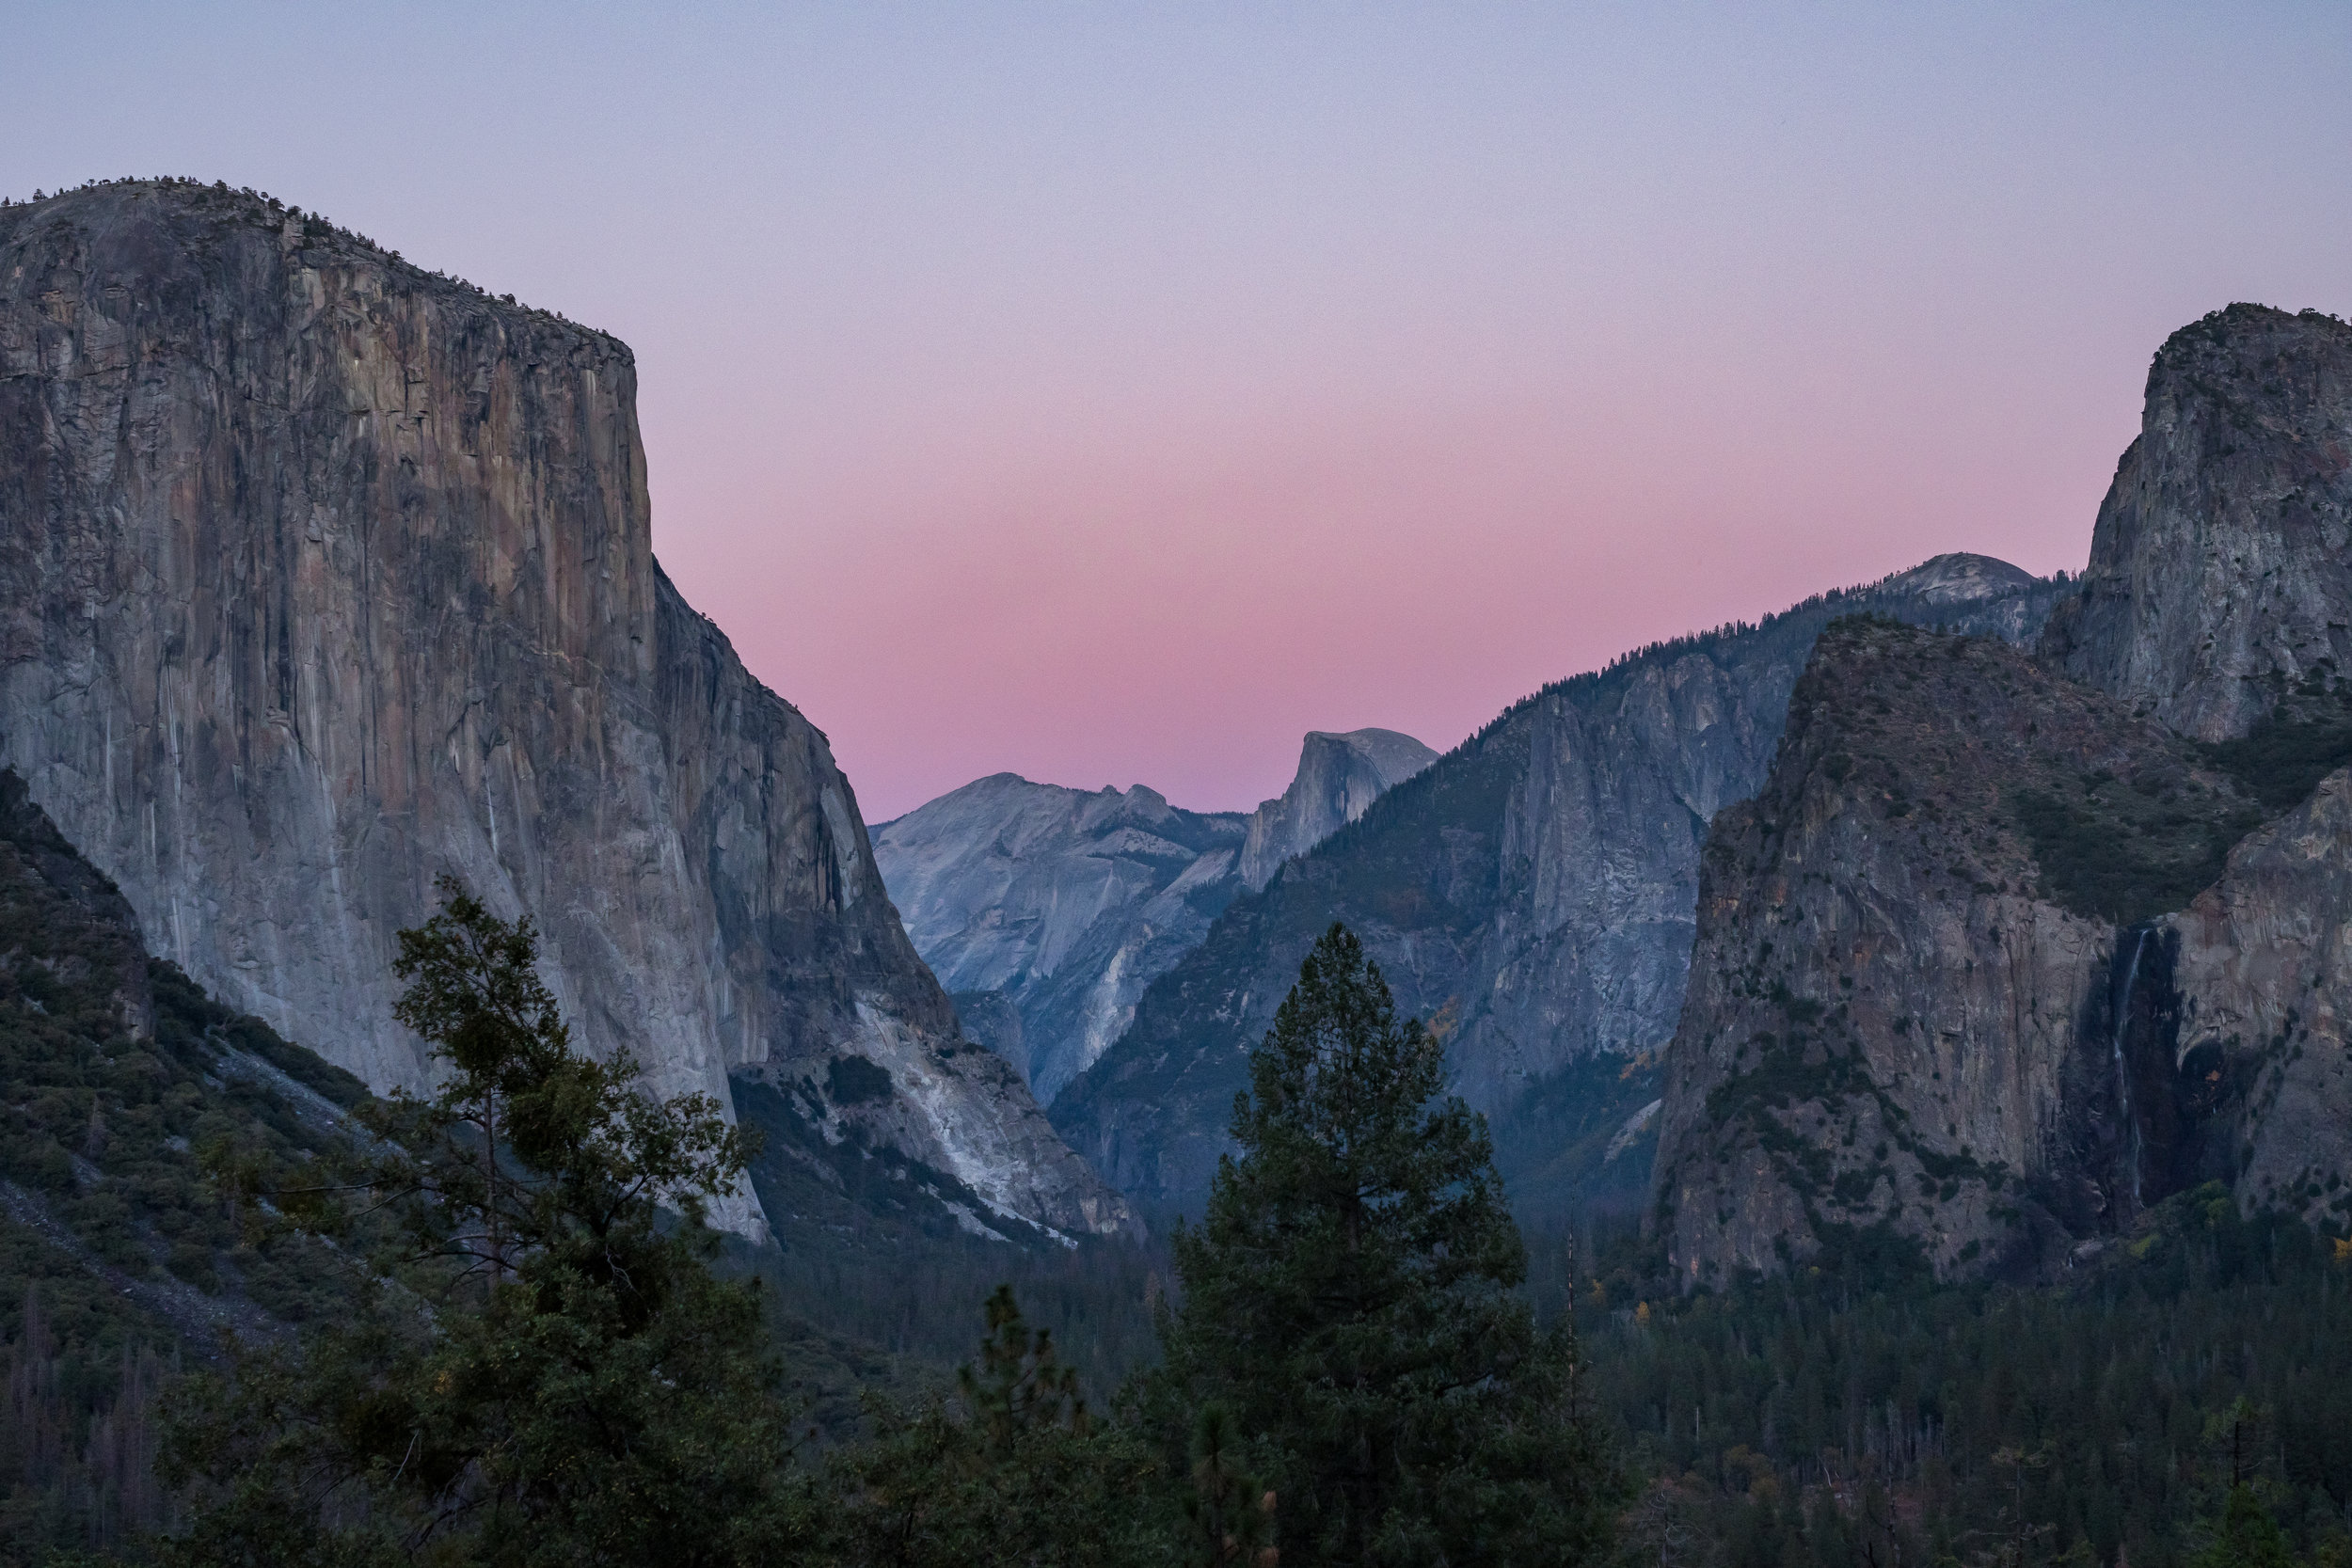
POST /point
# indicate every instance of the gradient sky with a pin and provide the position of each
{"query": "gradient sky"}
(1111, 393)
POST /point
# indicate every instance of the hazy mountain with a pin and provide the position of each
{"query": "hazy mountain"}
(1047, 910)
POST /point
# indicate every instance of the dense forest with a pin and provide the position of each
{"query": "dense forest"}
(2177, 1400)
(1831, 1418)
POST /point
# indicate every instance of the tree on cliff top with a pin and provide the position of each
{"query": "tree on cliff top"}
(1351, 1299)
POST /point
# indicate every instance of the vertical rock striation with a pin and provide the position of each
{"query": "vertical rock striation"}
(322, 576)
(2259, 967)
(1338, 778)
(2042, 909)
(1912, 1005)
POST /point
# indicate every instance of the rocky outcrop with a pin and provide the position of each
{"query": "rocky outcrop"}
(2258, 969)
(1048, 910)
(322, 576)
(2221, 566)
(1532, 893)
(1924, 1004)
(1338, 778)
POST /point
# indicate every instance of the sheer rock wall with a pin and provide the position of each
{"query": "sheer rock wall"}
(322, 576)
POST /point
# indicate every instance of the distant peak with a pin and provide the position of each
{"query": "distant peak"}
(1959, 578)
(1394, 755)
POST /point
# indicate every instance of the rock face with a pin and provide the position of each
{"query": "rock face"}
(2221, 565)
(1532, 893)
(1047, 910)
(1338, 778)
(322, 576)
(1916, 1011)
(2259, 967)
(1970, 866)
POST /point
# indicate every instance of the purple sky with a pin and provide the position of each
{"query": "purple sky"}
(1112, 393)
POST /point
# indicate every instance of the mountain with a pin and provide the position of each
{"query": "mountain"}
(1047, 910)
(1338, 778)
(323, 577)
(2220, 570)
(1532, 893)
(2011, 949)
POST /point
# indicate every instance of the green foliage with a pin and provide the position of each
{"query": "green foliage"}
(2128, 851)
(1350, 1299)
(1231, 1513)
(1557, 1150)
(855, 1080)
(117, 1253)
(1018, 1475)
(2246, 1536)
(2282, 760)
(870, 1270)
(550, 1373)
(1843, 1413)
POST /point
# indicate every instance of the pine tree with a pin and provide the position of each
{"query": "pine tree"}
(1351, 1298)
(1019, 1477)
(555, 1376)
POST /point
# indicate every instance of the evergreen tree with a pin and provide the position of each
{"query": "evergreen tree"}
(1351, 1299)
(1019, 1476)
(2246, 1536)
(545, 1372)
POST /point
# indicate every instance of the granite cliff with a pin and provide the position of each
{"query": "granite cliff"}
(1532, 893)
(2096, 897)
(1338, 778)
(1047, 911)
(323, 576)
(1906, 1018)
(2221, 563)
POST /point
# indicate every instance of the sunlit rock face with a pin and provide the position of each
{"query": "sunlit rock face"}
(1047, 910)
(323, 577)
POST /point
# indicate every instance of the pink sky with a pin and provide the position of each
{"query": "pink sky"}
(1111, 396)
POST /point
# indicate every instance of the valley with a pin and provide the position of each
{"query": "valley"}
(1779, 1069)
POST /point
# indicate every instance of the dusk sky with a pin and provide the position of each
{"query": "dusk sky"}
(1112, 393)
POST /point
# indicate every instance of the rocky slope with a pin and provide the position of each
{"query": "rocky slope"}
(2255, 972)
(1969, 865)
(117, 1070)
(1047, 910)
(1532, 893)
(322, 575)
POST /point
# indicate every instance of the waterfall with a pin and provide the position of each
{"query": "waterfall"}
(2122, 1068)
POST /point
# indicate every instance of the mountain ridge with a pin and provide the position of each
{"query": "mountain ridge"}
(1531, 893)
(2106, 916)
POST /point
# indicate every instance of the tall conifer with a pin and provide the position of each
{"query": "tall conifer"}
(1351, 1298)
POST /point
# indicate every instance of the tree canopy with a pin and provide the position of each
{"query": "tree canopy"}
(1351, 1305)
